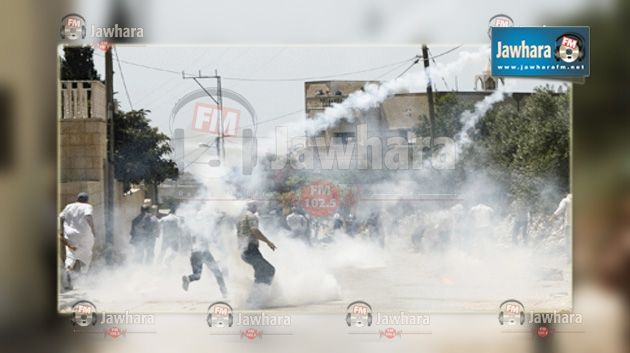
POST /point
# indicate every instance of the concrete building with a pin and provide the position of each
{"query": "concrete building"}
(184, 188)
(396, 116)
(83, 161)
(399, 116)
(486, 80)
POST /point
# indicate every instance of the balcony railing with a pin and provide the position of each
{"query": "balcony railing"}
(83, 100)
(323, 102)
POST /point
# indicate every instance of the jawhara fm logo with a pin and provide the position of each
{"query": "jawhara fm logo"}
(512, 313)
(73, 27)
(220, 315)
(570, 48)
(359, 314)
(83, 313)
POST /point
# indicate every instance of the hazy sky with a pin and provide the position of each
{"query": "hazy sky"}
(158, 91)
(367, 22)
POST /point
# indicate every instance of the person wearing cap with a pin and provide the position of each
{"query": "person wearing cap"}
(249, 236)
(145, 229)
(78, 237)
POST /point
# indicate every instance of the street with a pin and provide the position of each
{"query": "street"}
(326, 279)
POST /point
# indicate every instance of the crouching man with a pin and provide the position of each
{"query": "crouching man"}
(249, 237)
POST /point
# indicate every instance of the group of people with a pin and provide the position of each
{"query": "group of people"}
(466, 226)
(311, 230)
(521, 218)
(79, 233)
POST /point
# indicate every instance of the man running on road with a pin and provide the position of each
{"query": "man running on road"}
(201, 255)
(78, 237)
(248, 239)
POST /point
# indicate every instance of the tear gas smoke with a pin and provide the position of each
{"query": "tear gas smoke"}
(373, 94)
(410, 267)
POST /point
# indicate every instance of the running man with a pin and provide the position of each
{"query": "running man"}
(199, 256)
(78, 237)
(175, 238)
(248, 239)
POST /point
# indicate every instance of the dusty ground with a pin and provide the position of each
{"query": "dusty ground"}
(325, 279)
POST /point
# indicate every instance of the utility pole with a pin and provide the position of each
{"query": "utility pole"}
(218, 101)
(109, 192)
(220, 98)
(425, 59)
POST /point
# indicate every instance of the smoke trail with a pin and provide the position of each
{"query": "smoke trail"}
(373, 94)
(471, 266)
(469, 119)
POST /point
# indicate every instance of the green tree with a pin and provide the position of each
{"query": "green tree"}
(448, 111)
(527, 150)
(78, 64)
(140, 150)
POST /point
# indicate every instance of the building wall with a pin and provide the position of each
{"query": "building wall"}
(398, 116)
(83, 144)
(83, 161)
(406, 111)
(83, 148)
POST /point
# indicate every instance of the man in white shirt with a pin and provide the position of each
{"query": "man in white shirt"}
(201, 255)
(564, 211)
(174, 237)
(78, 237)
(299, 226)
(481, 216)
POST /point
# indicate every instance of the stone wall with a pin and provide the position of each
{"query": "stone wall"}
(83, 160)
(83, 144)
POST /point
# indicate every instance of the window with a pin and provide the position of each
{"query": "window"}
(345, 137)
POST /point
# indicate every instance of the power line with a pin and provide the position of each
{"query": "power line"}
(317, 77)
(446, 52)
(207, 147)
(160, 69)
(155, 68)
(390, 71)
(179, 73)
(122, 76)
(410, 66)
(418, 57)
(277, 117)
(246, 126)
(441, 54)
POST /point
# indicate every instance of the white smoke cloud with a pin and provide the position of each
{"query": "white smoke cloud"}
(472, 269)
(374, 94)
(470, 118)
